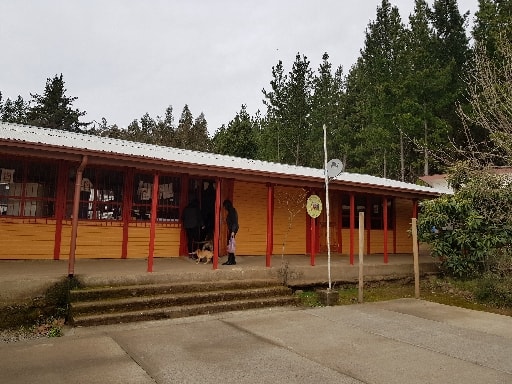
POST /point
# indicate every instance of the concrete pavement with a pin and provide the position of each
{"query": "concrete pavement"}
(401, 341)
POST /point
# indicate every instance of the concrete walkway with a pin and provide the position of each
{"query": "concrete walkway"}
(403, 341)
(24, 279)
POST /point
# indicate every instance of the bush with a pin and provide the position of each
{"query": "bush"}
(471, 230)
(495, 290)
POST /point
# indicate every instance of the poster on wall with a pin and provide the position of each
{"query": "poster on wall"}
(7, 176)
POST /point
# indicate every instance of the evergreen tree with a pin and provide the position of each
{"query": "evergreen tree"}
(288, 110)
(14, 111)
(164, 133)
(271, 135)
(134, 132)
(148, 128)
(183, 131)
(453, 55)
(377, 77)
(238, 138)
(199, 139)
(326, 108)
(426, 82)
(493, 22)
(54, 109)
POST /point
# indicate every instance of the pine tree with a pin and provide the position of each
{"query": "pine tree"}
(288, 110)
(54, 109)
(183, 131)
(165, 131)
(271, 137)
(14, 111)
(493, 24)
(238, 138)
(453, 56)
(377, 78)
(326, 108)
(199, 139)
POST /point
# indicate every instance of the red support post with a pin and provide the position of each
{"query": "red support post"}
(368, 225)
(338, 226)
(152, 228)
(127, 209)
(385, 227)
(183, 250)
(216, 231)
(60, 207)
(352, 224)
(270, 224)
(393, 213)
(313, 241)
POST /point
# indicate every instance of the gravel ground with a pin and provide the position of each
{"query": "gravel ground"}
(50, 329)
(15, 335)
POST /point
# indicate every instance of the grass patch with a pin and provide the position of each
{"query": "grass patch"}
(308, 298)
(459, 293)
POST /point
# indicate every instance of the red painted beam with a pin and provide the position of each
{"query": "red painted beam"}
(352, 224)
(152, 228)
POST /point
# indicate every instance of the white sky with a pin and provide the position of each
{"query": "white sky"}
(123, 58)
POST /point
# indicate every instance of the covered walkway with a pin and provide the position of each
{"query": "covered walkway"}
(24, 279)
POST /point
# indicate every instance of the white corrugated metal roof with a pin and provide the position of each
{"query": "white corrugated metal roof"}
(64, 139)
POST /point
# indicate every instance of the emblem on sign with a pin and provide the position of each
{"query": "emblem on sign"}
(314, 206)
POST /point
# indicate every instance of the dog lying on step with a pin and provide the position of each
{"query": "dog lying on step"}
(203, 254)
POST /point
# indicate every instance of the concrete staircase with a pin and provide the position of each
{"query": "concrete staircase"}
(123, 304)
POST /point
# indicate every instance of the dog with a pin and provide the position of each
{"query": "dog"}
(203, 254)
(207, 246)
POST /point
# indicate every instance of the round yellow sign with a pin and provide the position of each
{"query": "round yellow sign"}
(314, 206)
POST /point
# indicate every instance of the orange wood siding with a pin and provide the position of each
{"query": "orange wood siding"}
(167, 241)
(98, 239)
(403, 225)
(26, 238)
(250, 201)
(294, 238)
(95, 240)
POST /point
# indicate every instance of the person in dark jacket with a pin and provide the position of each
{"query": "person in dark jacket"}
(232, 224)
(192, 222)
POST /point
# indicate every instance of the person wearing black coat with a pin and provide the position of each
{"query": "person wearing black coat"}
(232, 224)
(192, 222)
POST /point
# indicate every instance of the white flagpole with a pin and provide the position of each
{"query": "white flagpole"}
(327, 208)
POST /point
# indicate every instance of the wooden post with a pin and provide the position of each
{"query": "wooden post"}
(416, 258)
(74, 222)
(361, 256)
(152, 228)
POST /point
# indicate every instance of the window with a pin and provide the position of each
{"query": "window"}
(168, 198)
(375, 211)
(101, 194)
(27, 188)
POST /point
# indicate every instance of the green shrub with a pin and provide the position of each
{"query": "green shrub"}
(495, 290)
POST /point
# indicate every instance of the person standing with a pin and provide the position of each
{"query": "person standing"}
(192, 222)
(232, 224)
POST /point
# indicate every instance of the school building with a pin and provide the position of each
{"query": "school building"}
(67, 195)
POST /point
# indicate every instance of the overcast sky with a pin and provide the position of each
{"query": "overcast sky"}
(123, 58)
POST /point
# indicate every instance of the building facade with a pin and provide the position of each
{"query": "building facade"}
(65, 195)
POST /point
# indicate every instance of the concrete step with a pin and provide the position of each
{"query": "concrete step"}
(183, 311)
(100, 293)
(135, 303)
(120, 304)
